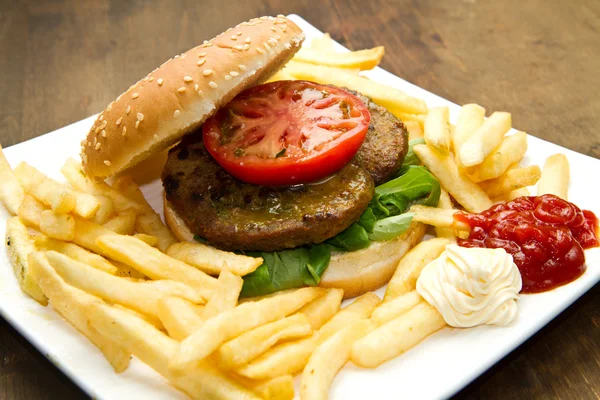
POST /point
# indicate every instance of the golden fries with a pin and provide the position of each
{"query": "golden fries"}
(437, 129)
(72, 304)
(445, 203)
(322, 43)
(154, 264)
(469, 121)
(360, 308)
(11, 191)
(555, 177)
(466, 193)
(19, 245)
(513, 179)
(225, 295)
(437, 217)
(361, 59)
(414, 130)
(396, 336)
(409, 268)
(148, 239)
(217, 330)
(46, 190)
(87, 232)
(30, 211)
(510, 151)
(57, 226)
(246, 347)
(178, 316)
(481, 143)
(122, 223)
(408, 117)
(278, 388)
(511, 195)
(75, 252)
(393, 99)
(393, 308)
(321, 309)
(328, 358)
(213, 261)
(105, 210)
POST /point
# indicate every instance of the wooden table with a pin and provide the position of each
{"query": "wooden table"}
(64, 60)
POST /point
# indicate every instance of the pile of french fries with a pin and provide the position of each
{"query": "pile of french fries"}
(106, 262)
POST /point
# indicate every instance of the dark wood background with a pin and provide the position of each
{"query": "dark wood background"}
(63, 60)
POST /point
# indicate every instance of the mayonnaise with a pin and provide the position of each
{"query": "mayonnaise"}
(472, 286)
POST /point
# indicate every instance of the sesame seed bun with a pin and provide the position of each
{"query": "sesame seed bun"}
(181, 94)
(356, 272)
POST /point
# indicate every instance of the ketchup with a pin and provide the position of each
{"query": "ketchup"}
(546, 236)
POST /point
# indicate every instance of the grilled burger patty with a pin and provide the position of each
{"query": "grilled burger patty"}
(233, 215)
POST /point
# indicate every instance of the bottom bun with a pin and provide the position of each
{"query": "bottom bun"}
(356, 272)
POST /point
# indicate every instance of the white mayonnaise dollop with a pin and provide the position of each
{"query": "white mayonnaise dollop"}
(472, 286)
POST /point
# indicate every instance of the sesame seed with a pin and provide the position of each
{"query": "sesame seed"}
(213, 85)
(233, 37)
(181, 89)
(97, 130)
(196, 87)
(227, 77)
(200, 93)
(280, 16)
(103, 133)
(104, 123)
(288, 46)
(239, 33)
(264, 18)
(124, 131)
(101, 117)
(135, 95)
(261, 51)
(234, 73)
(84, 157)
(239, 47)
(267, 46)
(284, 28)
(246, 46)
(207, 72)
(151, 79)
(248, 39)
(203, 54)
(140, 116)
(209, 44)
(109, 107)
(187, 79)
(137, 124)
(176, 113)
(107, 163)
(89, 144)
(205, 42)
(119, 121)
(128, 110)
(277, 37)
(160, 81)
(273, 29)
(200, 62)
(97, 146)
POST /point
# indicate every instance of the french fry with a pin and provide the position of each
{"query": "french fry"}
(555, 177)
(178, 316)
(86, 205)
(75, 252)
(213, 261)
(278, 388)
(470, 119)
(510, 151)
(125, 271)
(408, 117)
(246, 347)
(437, 217)
(512, 195)
(321, 309)
(361, 59)
(154, 322)
(396, 336)
(73, 171)
(11, 191)
(57, 226)
(414, 130)
(360, 308)
(393, 308)
(86, 233)
(466, 193)
(122, 223)
(393, 99)
(105, 211)
(328, 358)
(225, 295)
(217, 330)
(281, 75)
(481, 143)
(405, 278)
(72, 304)
(512, 180)
(445, 203)
(138, 296)
(322, 43)
(46, 190)
(148, 239)
(437, 129)
(154, 264)
(30, 211)
(155, 349)
(19, 245)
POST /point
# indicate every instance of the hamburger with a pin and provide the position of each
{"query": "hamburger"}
(315, 179)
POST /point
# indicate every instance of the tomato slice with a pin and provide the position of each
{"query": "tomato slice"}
(287, 132)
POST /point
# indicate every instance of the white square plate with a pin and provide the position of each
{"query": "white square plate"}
(437, 368)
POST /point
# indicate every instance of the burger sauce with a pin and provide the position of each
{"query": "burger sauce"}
(546, 236)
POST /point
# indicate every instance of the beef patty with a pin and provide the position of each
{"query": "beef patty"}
(233, 215)
(385, 145)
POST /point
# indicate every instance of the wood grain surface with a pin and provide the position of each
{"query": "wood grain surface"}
(63, 60)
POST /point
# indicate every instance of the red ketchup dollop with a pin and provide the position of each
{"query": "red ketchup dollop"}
(546, 236)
